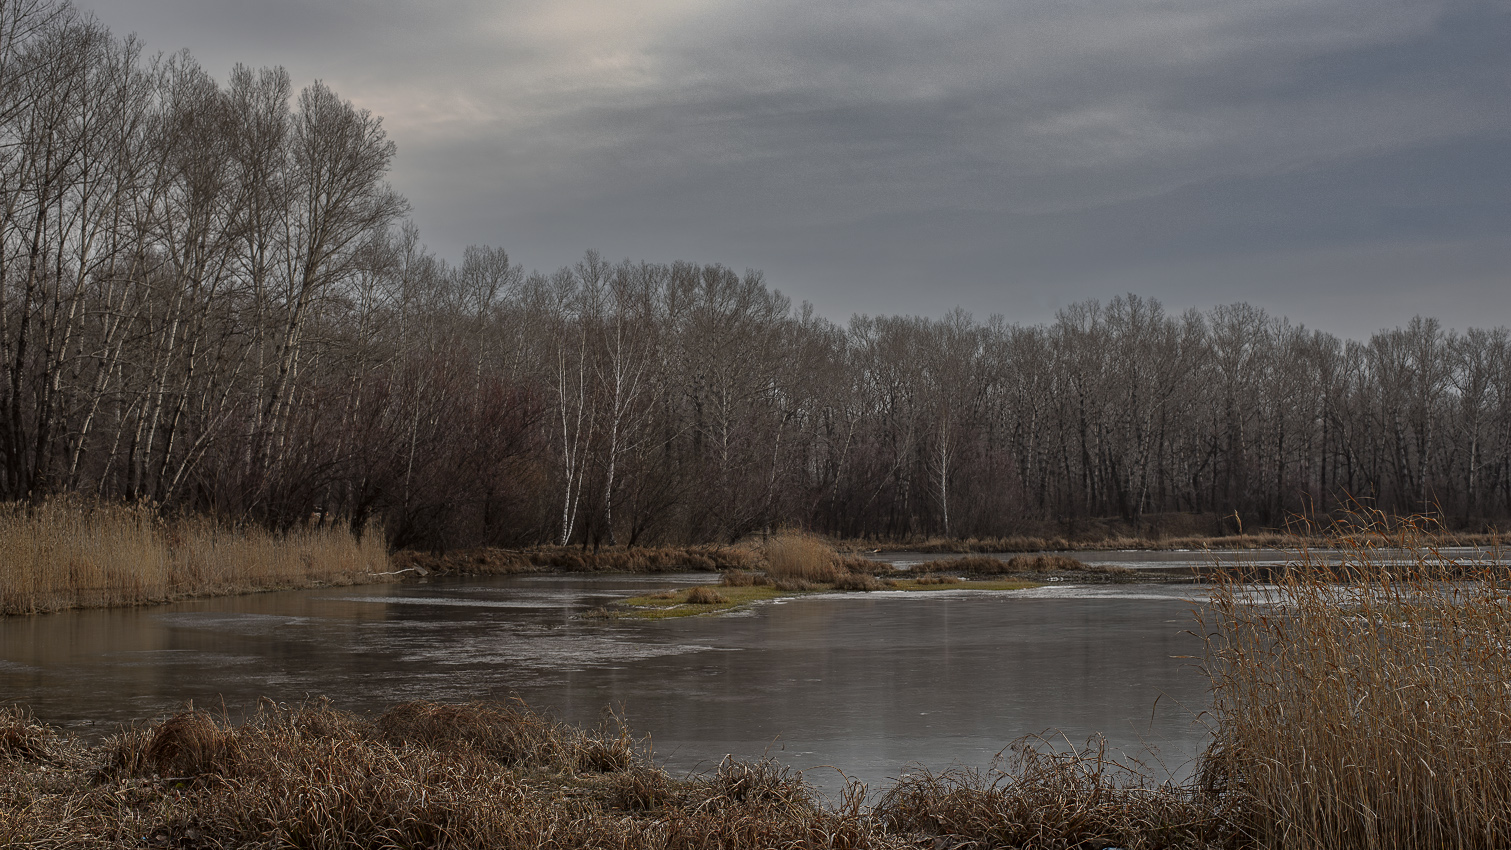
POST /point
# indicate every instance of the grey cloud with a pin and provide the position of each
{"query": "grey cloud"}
(864, 153)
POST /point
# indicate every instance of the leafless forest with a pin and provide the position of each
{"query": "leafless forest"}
(214, 301)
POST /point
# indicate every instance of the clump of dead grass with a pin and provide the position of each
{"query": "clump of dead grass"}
(797, 561)
(190, 743)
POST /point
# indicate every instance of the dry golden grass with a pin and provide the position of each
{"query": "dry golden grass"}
(857, 582)
(705, 596)
(1366, 704)
(792, 555)
(70, 553)
(424, 775)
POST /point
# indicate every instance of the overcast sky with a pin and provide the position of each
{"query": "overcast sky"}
(1346, 163)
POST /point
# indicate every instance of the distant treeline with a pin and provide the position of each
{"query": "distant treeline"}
(212, 300)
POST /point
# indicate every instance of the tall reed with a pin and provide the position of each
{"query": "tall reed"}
(794, 555)
(1366, 703)
(71, 553)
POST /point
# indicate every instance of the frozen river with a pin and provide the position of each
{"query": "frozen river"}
(867, 683)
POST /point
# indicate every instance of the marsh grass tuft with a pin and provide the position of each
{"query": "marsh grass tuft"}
(190, 743)
(22, 737)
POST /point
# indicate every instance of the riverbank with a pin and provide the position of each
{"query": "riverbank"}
(77, 553)
(489, 561)
(66, 554)
(493, 775)
(1114, 542)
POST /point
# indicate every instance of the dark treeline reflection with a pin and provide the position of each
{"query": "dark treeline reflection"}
(212, 300)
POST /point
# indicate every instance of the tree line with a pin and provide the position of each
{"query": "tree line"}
(213, 301)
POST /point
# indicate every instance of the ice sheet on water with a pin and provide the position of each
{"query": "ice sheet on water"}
(542, 601)
(232, 622)
(555, 651)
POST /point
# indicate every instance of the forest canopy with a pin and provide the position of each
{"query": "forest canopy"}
(213, 301)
